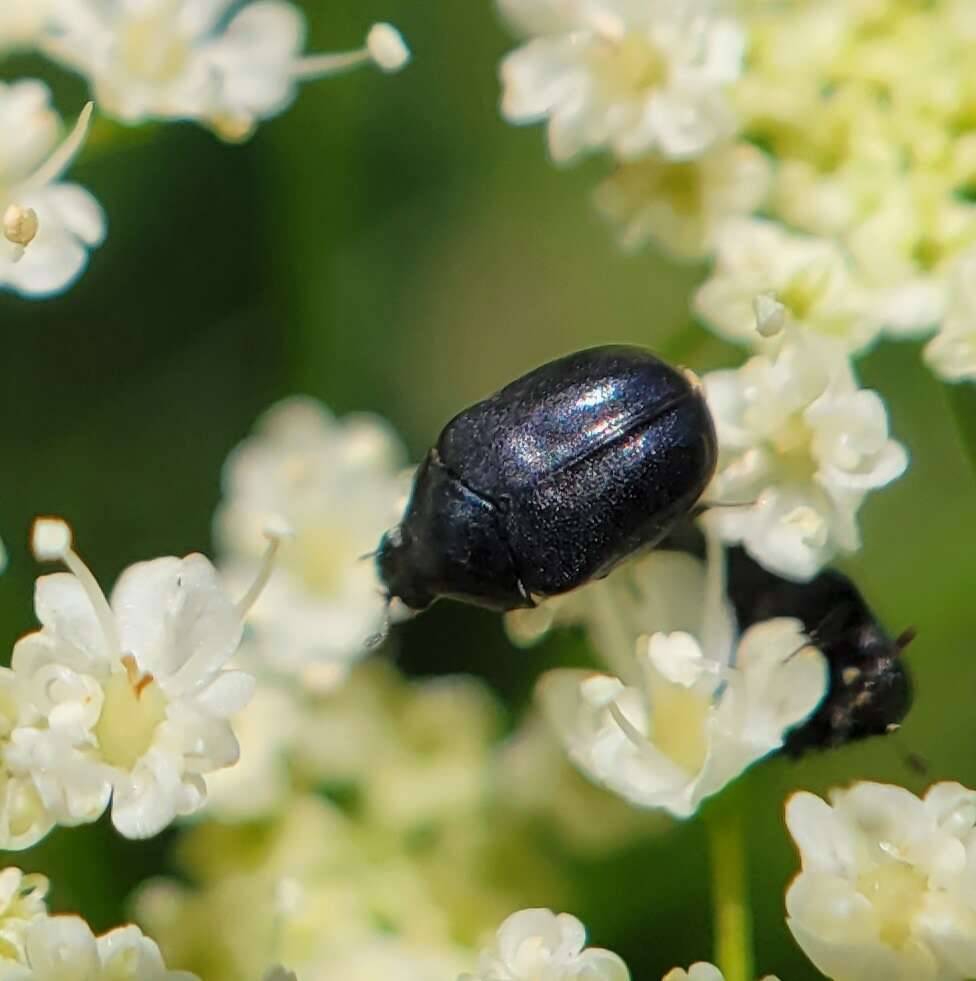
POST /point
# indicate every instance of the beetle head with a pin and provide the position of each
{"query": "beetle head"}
(397, 567)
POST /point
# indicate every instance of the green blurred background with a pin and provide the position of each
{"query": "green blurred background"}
(390, 244)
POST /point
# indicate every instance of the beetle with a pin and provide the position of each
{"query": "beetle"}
(552, 481)
(869, 688)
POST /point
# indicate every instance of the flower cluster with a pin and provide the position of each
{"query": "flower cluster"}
(125, 702)
(353, 824)
(681, 95)
(886, 889)
(800, 446)
(325, 602)
(389, 852)
(36, 946)
(650, 85)
(224, 65)
(187, 60)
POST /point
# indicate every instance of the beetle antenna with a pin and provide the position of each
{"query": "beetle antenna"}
(905, 638)
(368, 555)
(913, 761)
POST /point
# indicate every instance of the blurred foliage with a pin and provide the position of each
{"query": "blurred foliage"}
(390, 244)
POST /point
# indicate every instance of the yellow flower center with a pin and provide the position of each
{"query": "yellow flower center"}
(803, 292)
(150, 47)
(678, 717)
(132, 709)
(635, 63)
(322, 558)
(792, 443)
(896, 890)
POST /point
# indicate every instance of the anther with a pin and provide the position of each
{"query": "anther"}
(20, 225)
(139, 681)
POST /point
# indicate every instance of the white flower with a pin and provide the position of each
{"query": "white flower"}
(340, 485)
(128, 701)
(800, 445)
(198, 59)
(951, 354)
(690, 709)
(63, 948)
(48, 226)
(810, 277)
(682, 206)
(538, 945)
(907, 250)
(888, 882)
(632, 77)
(22, 23)
(701, 971)
(24, 817)
(21, 903)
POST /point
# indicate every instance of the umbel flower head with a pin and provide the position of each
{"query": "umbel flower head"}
(800, 447)
(887, 884)
(37, 947)
(185, 59)
(539, 945)
(48, 227)
(128, 701)
(887, 171)
(690, 705)
(683, 206)
(21, 903)
(340, 484)
(629, 77)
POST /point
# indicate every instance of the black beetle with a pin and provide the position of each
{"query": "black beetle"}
(870, 690)
(552, 481)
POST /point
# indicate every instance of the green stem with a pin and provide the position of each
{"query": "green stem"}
(962, 402)
(731, 914)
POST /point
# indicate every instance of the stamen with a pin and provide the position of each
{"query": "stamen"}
(387, 48)
(137, 680)
(810, 525)
(633, 734)
(384, 48)
(275, 531)
(60, 160)
(51, 541)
